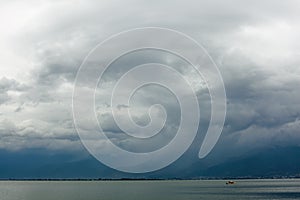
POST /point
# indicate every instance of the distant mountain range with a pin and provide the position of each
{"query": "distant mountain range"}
(275, 162)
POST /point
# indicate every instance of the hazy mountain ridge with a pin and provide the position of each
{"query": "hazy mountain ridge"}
(269, 163)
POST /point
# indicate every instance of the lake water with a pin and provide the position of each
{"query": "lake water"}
(154, 190)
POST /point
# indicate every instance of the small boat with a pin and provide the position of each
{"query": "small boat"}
(230, 182)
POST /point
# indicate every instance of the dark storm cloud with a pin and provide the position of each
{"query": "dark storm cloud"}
(251, 42)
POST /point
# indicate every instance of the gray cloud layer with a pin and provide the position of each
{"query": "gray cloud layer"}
(255, 44)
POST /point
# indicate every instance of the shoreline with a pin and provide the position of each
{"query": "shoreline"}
(145, 179)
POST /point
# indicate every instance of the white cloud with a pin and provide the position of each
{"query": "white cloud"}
(43, 44)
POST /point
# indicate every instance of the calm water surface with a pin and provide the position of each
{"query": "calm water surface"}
(154, 190)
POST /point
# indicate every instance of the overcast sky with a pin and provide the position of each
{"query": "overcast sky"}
(255, 44)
